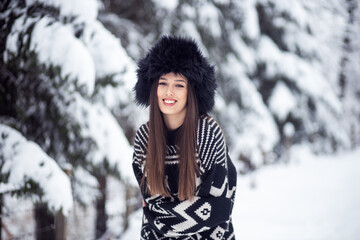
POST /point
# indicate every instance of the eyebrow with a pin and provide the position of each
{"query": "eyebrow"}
(176, 80)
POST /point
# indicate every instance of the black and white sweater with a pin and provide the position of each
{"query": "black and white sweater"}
(208, 216)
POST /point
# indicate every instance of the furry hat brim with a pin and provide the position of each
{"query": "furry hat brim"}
(179, 55)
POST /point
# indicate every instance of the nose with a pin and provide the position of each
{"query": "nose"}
(169, 91)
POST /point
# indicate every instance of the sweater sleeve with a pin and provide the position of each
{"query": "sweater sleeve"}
(213, 202)
(139, 155)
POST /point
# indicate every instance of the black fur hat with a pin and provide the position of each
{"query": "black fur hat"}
(178, 55)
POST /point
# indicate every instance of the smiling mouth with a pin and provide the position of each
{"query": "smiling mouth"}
(169, 102)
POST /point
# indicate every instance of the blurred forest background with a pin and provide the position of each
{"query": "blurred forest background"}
(288, 74)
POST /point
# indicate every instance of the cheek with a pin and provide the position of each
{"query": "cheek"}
(185, 96)
(159, 92)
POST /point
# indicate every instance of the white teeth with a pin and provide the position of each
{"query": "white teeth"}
(169, 101)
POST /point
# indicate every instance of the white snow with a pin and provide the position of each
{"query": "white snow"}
(309, 78)
(85, 186)
(111, 59)
(189, 28)
(327, 22)
(108, 55)
(282, 101)
(188, 11)
(315, 29)
(303, 73)
(49, 37)
(243, 52)
(12, 40)
(289, 129)
(84, 10)
(220, 2)
(251, 25)
(25, 160)
(209, 19)
(293, 8)
(312, 197)
(115, 206)
(252, 129)
(169, 5)
(133, 232)
(98, 123)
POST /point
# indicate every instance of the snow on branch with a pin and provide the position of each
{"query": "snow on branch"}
(56, 44)
(24, 160)
(84, 10)
(98, 124)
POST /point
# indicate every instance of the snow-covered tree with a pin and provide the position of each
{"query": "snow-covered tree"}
(299, 55)
(350, 72)
(25, 167)
(63, 77)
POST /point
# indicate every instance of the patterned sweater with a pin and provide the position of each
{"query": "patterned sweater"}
(208, 216)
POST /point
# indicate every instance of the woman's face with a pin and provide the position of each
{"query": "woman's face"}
(172, 95)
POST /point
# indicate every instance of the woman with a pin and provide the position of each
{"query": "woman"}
(180, 156)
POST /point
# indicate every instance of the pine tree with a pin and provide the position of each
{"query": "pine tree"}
(349, 72)
(63, 108)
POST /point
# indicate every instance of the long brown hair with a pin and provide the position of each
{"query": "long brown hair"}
(186, 141)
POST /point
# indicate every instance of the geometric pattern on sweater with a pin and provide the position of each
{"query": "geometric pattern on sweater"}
(204, 211)
(208, 215)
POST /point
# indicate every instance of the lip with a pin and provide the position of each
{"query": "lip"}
(169, 99)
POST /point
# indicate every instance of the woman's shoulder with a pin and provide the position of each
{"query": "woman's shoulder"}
(209, 126)
(210, 142)
(208, 130)
(143, 129)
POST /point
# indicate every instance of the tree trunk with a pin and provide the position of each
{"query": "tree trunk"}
(60, 226)
(129, 208)
(101, 216)
(133, 202)
(45, 222)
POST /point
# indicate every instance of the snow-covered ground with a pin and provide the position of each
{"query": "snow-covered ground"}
(311, 197)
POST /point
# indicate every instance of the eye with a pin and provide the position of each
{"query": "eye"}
(179, 85)
(162, 83)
